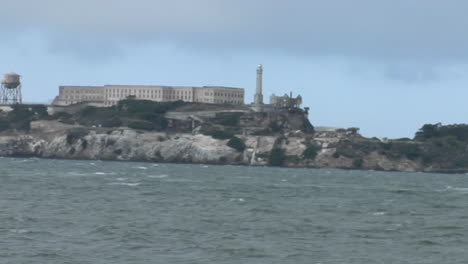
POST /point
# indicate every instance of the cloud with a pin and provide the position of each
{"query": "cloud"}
(412, 30)
(412, 73)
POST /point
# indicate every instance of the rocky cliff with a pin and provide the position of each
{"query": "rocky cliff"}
(136, 130)
(52, 139)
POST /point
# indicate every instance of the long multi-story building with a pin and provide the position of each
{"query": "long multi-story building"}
(109, 95)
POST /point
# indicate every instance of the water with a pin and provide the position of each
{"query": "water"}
(55, 211)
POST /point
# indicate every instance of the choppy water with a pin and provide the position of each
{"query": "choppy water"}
(109, 212)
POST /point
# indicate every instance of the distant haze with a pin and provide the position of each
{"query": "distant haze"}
(386, 66)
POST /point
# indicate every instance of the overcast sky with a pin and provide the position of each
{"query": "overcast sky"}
(386, 66)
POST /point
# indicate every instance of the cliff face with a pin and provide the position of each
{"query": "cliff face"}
(51, 139)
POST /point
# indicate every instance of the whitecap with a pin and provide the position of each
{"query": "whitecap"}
(236, 200)
(100, 173)
(19, 231)
(379, 213)
(125, 184)
(73, 173)
(141, 168)
(460, 189)
(122, 179)
(158, 176)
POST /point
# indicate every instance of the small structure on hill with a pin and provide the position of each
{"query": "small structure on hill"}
(258, 99)
(10, 92)
(286, 101)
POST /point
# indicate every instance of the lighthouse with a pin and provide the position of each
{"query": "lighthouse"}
(258, 99)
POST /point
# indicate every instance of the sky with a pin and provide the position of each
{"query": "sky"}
(385, 66)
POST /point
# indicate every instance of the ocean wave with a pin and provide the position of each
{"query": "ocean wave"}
(19, 231)
(237, 200)
(158, 176)
(131, 184)
(122, 179)
(379, 213)
(458, 189)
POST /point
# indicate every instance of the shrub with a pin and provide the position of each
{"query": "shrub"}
(159, 121)
(89, 111)
(276, 157)
(429, 131)
(357, 163)
(97, 116)
(398, 149)
(146, 106)
(113, 122)
(311, 152)
(228, 119)
(40, 111)
(263, 132)
(84, 144)
(236, 144)
(63, 117)
(274, 127)
(293, 159)
(74, 135)
(141, 125)
(4, 125)
(295, 110)
(20, 113)
(218, 134)
(279, 140)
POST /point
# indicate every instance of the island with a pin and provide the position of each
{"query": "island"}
(182, 132)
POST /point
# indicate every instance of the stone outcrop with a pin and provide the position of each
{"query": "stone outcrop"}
(51, 139)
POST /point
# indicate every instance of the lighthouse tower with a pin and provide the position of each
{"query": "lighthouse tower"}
(258, 99)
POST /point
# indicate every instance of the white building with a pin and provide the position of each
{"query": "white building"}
(109, 95)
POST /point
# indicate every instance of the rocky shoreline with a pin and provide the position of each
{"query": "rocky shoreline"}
(178, 132)
(52, 139)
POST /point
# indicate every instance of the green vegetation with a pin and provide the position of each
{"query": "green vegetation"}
(311, 151)
(277, 157)
(96, 116)
(358, 163)
(141, 125)
(237, 144)
(228, 119)
(234, 142)
(273, 128)
(295, 110)
(21, 116)
(293, 159)
(137, 114)
(445, 145)
(75, 135)
(4, 124)
(112, 122)
(220, 134)
(429, 131)
(146, 106)
(280, 140)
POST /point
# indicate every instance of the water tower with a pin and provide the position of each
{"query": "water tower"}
(11, 89)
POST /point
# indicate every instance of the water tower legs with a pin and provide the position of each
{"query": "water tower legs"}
(10, 95)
